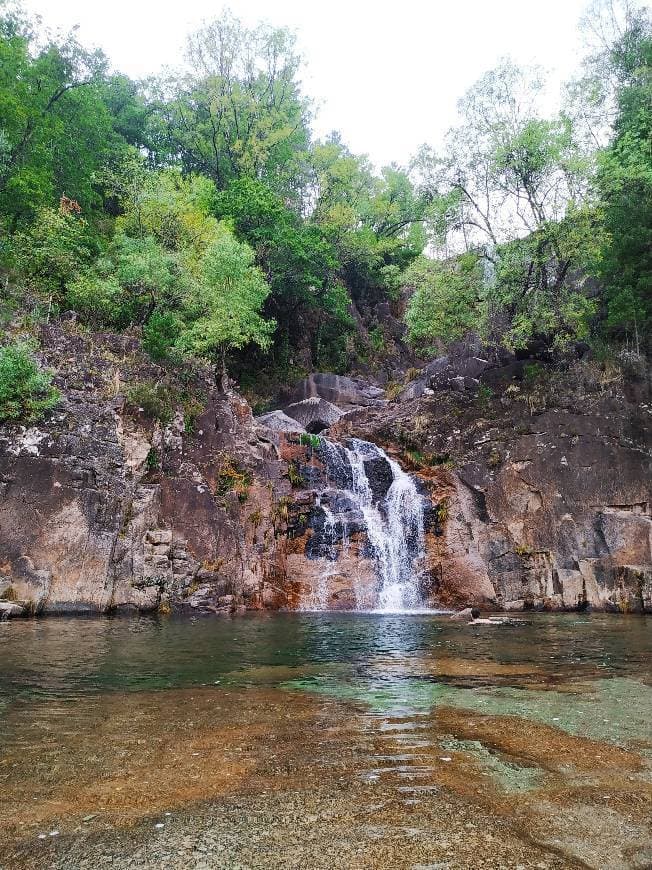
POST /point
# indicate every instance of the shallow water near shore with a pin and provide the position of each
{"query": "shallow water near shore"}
(326, 740)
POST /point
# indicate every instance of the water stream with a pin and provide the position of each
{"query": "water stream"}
(392, 513)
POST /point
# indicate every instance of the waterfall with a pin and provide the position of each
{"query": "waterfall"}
(392, 513)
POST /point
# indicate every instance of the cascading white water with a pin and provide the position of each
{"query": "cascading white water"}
(330, 536)
(394, 523)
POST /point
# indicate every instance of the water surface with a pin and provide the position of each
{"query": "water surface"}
(326, 740)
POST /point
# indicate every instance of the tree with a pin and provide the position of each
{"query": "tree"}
(514, 187)
(298, 260)
(374, 222)
(223, 309)
(238, 111)
(56, 127)
(625, 184)
(448, 300)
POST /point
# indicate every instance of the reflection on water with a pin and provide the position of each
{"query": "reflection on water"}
(538, 732)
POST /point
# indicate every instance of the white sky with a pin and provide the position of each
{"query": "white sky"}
(386, 74)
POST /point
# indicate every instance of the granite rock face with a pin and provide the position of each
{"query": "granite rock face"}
(543, 479)
(537, 481)
(104, 508)
(339, 390)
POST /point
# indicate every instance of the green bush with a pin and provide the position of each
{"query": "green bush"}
(98, 299)
(26, 391)
(56, 248)
(446, 302)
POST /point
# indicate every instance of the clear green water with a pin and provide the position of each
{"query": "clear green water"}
(106, 722)
(65, 657)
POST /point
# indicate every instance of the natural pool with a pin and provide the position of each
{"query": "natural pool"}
(326, 740)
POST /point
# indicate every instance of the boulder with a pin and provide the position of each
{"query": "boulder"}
(314, 414)
(465, 615)
(380, 476)
(413, 390)
(11, 609)
(339, 390)
(277, 421)
(436, 366)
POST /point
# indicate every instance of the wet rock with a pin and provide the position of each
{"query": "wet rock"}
(380, 476)
(11, 609)
(465, 615)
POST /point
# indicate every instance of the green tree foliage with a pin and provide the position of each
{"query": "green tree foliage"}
(238, 111)
(53, 250)
(447, 301)
(56, 117)
(537, 289)
(306, 298)
(373, 222)
(625, 183)
(26, 391)
(515, 187)
(224, 309)
(196, 210)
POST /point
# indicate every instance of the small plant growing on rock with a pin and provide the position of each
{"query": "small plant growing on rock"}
(412, 374)
(153, 460)
(153, 400)
(294, 475)
(522, 551)
(308, 440)
(494, 458)
(192, 410)
(281, 510)
(485, 394)
(256, 518)
(392, 390)
(26, 391)
(442, 511)
(230, 478)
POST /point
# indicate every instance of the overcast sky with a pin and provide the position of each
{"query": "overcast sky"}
(387, 75)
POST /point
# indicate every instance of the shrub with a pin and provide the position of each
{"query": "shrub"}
(97, 298)
(26, 391)
(54, 250)
(446, 302)
(294, 475)
(306, 439)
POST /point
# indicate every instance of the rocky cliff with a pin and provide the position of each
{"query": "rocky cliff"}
(112, 504)
(150, 490)
(544, 471)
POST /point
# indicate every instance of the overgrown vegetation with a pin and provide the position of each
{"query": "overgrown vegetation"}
(153, 400)
(200, 212)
